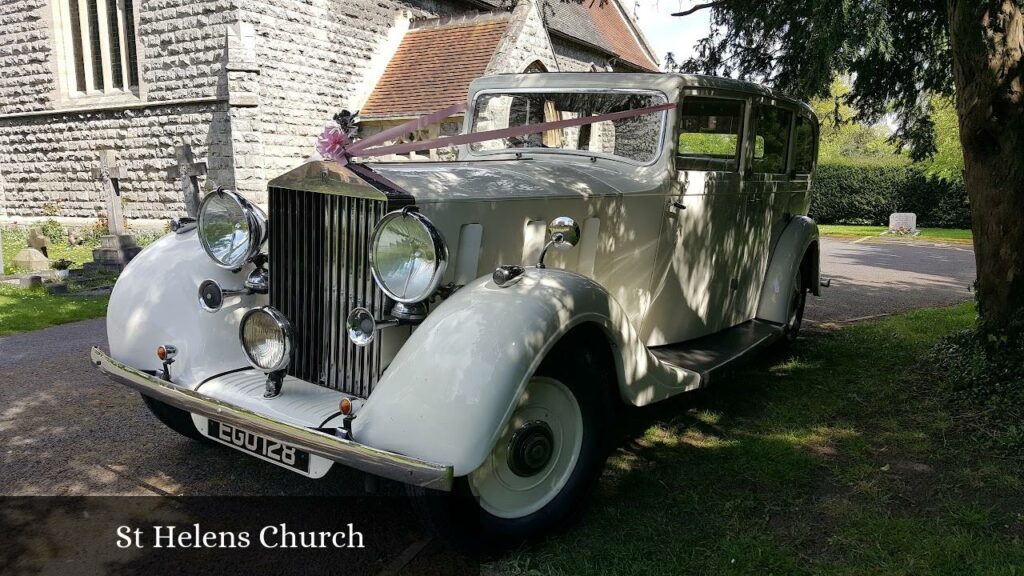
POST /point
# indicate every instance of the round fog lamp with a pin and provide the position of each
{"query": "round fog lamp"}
(266, 337)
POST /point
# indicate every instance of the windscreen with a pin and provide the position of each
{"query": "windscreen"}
(636, 138)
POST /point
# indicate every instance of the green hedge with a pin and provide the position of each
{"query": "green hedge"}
(867, 193)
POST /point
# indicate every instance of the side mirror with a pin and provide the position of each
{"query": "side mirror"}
(564, 232)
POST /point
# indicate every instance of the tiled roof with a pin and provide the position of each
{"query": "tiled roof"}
(572, 19)
(599, 23)
(618, 33)
(434, 66)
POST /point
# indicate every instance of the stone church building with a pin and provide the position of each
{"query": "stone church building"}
(249, 84)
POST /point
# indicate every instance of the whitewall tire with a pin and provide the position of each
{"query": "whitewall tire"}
(540, 472)
(535, 455)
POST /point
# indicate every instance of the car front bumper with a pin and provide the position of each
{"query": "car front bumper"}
(343, 451)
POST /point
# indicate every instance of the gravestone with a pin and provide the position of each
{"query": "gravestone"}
(31, 282)
(903, 223)
(109, 173)
(31, 259)
(116, 248)
(39, 241)
(187, 172)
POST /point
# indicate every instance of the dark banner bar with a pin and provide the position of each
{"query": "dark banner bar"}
(370, 534)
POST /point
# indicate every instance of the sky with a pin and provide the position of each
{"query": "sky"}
(667, 33)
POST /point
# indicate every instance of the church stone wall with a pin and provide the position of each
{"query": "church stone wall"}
(525, 43)
(314, 59)
(248, 85)
(26, 48)
(49, 143)
(48, 160)
(575, 58)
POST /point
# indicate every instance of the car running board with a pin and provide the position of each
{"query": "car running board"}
(715, 354)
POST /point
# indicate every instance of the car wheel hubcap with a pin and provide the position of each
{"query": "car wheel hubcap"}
(530, 449)
(535, 454)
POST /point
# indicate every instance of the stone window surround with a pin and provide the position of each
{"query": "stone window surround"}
(65, 95)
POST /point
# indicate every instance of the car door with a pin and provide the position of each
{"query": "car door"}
(698, 256)
(766, 201)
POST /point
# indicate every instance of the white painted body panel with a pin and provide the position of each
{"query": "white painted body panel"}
(451, 388)
(300, 403)
(798, 237)
(156, 302)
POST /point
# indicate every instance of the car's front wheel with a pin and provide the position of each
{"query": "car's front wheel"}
(174, 418)
(543, 467)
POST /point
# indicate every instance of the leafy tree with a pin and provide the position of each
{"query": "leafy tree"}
(843, 139)
(948, 161)
(901, 54)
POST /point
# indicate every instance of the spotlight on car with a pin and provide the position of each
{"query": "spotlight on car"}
(267, 339)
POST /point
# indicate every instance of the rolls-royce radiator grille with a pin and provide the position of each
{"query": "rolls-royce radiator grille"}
(319, 272)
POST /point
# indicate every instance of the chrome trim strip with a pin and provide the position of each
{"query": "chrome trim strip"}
(347, 452)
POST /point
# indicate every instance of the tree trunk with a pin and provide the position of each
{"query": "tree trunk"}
(987, 40)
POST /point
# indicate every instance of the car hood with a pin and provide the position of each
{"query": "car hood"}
(503, 180)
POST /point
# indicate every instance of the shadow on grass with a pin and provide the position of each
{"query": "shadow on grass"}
(837, 458)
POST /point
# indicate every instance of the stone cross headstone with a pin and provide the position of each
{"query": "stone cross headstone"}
(110, 174)
(903, 223)
(187, 172)
(116, 248)
(39, 241)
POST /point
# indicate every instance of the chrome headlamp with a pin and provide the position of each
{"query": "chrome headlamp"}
(231, 229)
(408, 256)
(266, 337)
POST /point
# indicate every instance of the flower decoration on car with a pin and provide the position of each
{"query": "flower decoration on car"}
(337, 136)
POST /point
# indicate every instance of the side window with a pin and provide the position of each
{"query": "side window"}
(803, 149)
(710, 131)
(771, 139)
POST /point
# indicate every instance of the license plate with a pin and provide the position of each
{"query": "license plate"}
(289, 456)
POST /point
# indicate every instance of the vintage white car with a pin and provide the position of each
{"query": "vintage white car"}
(475, 326)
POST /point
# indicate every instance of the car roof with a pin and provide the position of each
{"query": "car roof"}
(669, 83)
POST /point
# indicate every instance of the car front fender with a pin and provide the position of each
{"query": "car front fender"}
(156, 302)
(799, 236)
(453, 386)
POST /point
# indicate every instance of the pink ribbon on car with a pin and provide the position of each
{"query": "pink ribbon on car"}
(334, 144)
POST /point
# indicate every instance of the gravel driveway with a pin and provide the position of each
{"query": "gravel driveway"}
(67, 430)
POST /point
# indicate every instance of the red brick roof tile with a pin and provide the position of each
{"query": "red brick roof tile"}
(434, 66)
(618, 33)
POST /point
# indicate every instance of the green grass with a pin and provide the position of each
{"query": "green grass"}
(838, 459)
(943, 234)
(14, 242)
(23, 310)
